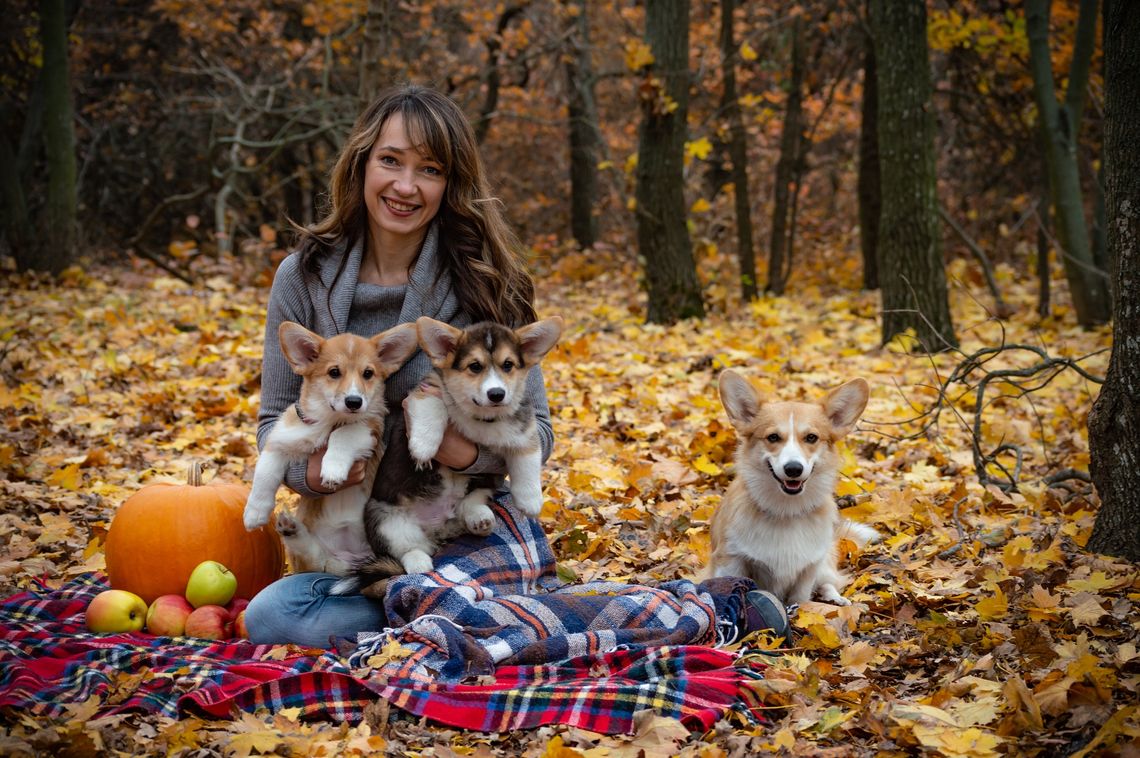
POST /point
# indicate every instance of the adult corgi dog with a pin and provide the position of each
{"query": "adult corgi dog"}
(778, 522)
(342, 406)
(479, 386)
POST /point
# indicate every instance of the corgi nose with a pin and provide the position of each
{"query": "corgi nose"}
(793, 470)
(496, 395)
(353, 402)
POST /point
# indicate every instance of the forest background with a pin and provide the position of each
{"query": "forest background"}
(200, 130)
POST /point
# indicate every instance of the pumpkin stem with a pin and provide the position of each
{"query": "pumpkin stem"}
(194, 474)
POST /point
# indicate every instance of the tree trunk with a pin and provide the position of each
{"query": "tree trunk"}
(911, 271)
(786, 166)
(372, 50)
(1114, 424)
(493, 79)
(14, 222)
(870, 203)
(737, 153)
(57, 249)
(585, 135)
(1060, 128)
(662, 234)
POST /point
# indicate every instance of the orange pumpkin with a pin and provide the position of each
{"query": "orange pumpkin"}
(163, 531)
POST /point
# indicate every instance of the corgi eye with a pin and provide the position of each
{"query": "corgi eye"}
(811, 439)
(508, 366)
(475, 367)
(773, 437)
(334, 372)
(369, 373)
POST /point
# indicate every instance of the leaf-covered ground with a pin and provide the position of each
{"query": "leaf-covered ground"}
(980, 624)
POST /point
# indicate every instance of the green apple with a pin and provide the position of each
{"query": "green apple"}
(113, 611)
(166, 616)
(210, 583)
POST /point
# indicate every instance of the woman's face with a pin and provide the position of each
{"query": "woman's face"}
(402, 188)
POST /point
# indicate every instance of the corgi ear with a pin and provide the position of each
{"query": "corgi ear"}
(301, 347)
(538, 338)
(844, 405)
(394, 347)
(436, 338)
(740, 399)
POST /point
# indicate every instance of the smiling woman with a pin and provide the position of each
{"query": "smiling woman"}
(412, 231)
(403, 190)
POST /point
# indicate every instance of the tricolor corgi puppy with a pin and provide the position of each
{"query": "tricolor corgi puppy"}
(479, 386)
(778, 522)
(342, 406)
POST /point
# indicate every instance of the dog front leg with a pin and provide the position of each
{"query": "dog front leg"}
(427, 421)
(407, 542)
(525, 471)
(474, 513)
(267, 477)
(347, 444)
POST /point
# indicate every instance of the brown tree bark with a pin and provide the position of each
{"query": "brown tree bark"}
(912, 275)
(870, 203)
(662, 236)
(737, 153)
(786, 168)
(377, 25)
(1060, 128)
(57, 248)
(1114, 424)
(585, 135)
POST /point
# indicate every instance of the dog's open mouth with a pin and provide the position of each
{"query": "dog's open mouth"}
(789, 486)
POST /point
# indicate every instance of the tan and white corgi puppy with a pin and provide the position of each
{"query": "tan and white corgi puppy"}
(479, 386)
(341, 405)
(778, 523)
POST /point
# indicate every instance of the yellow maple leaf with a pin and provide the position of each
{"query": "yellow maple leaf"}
(1096, 582)
(638, 55)
(392, 651)
(68, 477)
(747, 53)
(700, 206)
(972, 742)
(994, 607)
(705, 466)
(698, 148)
(857, 656)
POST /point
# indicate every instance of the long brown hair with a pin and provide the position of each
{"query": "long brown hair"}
(476, 246)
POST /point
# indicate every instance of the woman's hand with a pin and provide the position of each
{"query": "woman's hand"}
(313, 473)
(455, 451)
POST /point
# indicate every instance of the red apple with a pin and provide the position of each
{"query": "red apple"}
(236, 606)
(114, 611)
(210, 622)
(240, 629)
(167, 615)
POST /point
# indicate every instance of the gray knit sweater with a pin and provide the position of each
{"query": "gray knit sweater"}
(329, 305)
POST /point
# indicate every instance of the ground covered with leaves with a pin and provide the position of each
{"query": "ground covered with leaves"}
(980, 625)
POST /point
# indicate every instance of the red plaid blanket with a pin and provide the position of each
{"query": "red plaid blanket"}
(48, 660)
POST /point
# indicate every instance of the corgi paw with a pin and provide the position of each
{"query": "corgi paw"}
(417, 562)
(256, 515)
(831, 595)
(286, 525)
(333, 474)
(422, 450)
(480, 520)
(528, 503)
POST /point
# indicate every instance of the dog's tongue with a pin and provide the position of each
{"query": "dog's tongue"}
(793, 484)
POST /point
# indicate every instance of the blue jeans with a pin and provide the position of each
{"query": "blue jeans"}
(298, 609)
